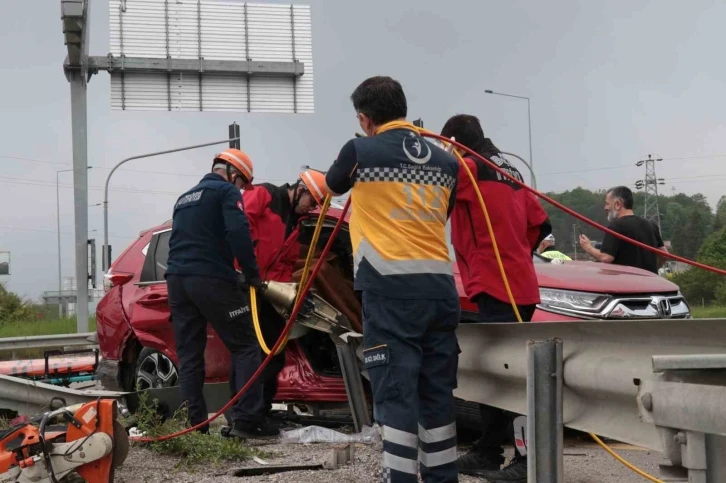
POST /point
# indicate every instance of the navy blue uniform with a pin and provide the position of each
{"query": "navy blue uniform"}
(402, 191)
(210, 230)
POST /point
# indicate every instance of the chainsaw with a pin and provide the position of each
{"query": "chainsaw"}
(80, 443)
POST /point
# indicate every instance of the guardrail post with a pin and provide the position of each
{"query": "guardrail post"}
(544, 410)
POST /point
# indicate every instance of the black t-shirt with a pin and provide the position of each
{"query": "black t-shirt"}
(625, 253)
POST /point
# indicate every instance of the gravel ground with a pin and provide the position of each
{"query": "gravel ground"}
(584, 463)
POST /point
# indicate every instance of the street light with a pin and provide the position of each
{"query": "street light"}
(529, 118)
(57, 207)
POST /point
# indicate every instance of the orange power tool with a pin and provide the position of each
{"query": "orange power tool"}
(84, 442)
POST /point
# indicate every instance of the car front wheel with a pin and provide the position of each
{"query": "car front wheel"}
(154, 370)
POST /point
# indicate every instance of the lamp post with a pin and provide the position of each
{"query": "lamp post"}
(57, 209)
(529, 118)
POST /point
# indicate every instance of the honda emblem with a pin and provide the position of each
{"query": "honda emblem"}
(664, 307)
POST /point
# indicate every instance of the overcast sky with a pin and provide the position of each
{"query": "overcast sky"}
(609, 81)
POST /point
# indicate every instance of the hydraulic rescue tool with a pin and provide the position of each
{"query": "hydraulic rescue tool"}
(317, 314)
(84, 442)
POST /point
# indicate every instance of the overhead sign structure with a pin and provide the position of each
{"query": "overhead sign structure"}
(209, 55)
(4, 263)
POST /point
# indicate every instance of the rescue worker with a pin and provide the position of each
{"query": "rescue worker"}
(520, 224)
(402, 191)
(209, 231)
(547, 249)
(273, 213)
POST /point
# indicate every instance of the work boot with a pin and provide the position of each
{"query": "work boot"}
(244, 431)
(514, 472)
(477, 460)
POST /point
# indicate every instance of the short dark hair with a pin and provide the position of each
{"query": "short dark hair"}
(381, 98)
(466, 129)
(624, 194)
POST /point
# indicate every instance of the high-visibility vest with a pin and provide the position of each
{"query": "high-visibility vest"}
(555, 255)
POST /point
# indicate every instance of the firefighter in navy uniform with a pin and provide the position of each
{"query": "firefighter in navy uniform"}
(402, 191)
(209, 231)
(273, 213)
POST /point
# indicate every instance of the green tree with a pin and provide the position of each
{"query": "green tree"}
(13, 307)
(719, 221)
(700, 285)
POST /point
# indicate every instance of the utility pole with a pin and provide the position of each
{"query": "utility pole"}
(574, 238)
(650, 183)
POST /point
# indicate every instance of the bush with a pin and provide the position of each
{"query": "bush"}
(701, 286)
(14, 308)
(193, 448)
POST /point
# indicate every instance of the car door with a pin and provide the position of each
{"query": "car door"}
(151, 316)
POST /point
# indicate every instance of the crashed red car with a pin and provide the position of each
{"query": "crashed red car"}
(137, 343)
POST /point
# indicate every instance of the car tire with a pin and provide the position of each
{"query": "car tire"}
(154, 370)
(468, 418)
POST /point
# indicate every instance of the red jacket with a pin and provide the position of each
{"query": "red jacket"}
(516, 217)
(274, 230)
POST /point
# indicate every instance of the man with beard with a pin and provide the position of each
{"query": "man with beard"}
(619, 207)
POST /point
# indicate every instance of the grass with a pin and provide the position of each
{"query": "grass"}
(709, 312)
(43, 327)
(38, 327)
(191, 449)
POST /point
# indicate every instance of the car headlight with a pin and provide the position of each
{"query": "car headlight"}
(584, 303)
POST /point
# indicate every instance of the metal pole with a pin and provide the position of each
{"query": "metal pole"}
(529, 121)
(57, 205)
(529, 167)
(544, 409)
(106, 261)
(80, 197)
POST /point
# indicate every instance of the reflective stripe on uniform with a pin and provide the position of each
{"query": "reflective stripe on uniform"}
(437, 435)
(398, 267)
(397, 436)
(439, 458)
(404, 465)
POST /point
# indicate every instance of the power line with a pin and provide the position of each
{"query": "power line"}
(26, 181)
(606, 168)
(38, 230)
(107, 168)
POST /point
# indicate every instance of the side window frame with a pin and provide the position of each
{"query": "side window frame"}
(149, 269)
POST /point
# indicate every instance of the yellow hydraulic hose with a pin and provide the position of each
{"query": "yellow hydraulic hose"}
(624, 462)
(308, 260)
(313, 244)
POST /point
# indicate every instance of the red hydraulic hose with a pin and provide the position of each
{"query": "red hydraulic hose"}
(267, 360)
(574, 213)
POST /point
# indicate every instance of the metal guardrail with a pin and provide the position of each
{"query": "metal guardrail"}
(43, 341)
(32, 397)
(605, 362)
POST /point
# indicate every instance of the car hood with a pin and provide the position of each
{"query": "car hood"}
(602, 278)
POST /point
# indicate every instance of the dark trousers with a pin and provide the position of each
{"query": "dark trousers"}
(272, 324)
(194, 301)
(497, 428)
(411, 355)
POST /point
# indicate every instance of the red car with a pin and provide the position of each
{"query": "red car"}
(137, 342)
